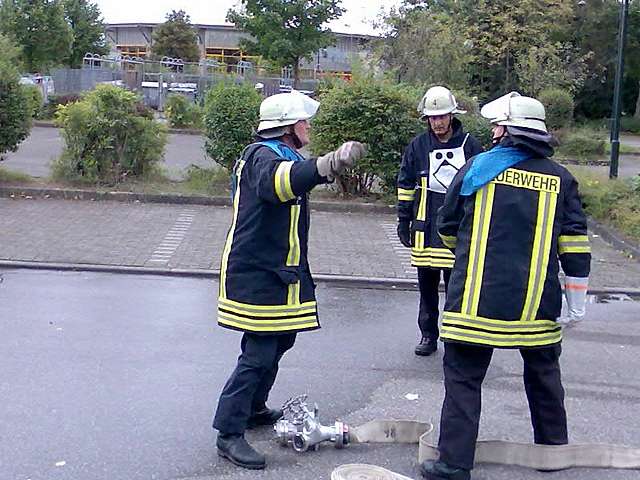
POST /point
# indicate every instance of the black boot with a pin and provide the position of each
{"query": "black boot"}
(437, 470)
(236, 449)
(266, 416)
(426, 347)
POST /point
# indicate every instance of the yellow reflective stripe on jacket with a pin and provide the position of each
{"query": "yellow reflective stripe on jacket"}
(499, 333)
(267, 311)
(283, 182)
(573, 244)
(448, 241)
(264, 318)
(422, 208)
(540, 254)
(227, 246)
(432, 257)
(478, 249)
(293, 259)
(406, 195)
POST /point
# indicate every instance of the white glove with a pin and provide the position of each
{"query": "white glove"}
(334, 163)
(575, 289)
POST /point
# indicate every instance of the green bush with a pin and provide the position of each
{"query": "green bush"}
(559, 107)
(467, 102)
(378, 113)
(614, 202)
(107, 140)
(230, 116)
(630, 124)
(583, 144)
(49, 109)
(478, 127)
(15, 119)
(34, 99)
(183, 113)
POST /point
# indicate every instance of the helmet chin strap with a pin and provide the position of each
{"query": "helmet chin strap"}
(294, 137)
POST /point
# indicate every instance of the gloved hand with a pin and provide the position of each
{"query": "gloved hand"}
(575, 289)
(334, 163)
(404, 232)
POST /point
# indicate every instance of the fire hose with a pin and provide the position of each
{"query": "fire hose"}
(301, 428)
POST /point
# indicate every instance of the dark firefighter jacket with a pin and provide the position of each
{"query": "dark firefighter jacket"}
(427, 168)
(508, 237)
(265, 282)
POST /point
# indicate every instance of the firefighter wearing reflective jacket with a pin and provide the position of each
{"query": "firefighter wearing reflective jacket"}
(266, 289)
(429, 164)
(511, 216)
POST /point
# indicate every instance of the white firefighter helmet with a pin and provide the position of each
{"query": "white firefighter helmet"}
(516, 110)
(285, 109)
(438, 101)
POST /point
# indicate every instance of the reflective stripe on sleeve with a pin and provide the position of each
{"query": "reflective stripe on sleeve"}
(283, 182)
(573, 244)
(406, 195)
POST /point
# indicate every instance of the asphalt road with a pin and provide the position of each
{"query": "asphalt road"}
(35, 154)
(110, 377)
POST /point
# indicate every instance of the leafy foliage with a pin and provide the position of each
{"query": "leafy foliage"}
(106, 139)
(614, 202)
(183, 113)
(40, 28)
(85, 20)
(176, 38)
(285, 31)
(33, 94)
(15, 119)
(558, 105)
(377, 113)
(583, 144)
(230, 117)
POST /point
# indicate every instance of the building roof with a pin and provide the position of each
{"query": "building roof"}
(228, 27)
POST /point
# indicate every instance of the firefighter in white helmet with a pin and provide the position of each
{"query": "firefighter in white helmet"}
(511, 216)
(429, 164)
(266, 289)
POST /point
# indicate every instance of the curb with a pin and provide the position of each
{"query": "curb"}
(351, 281)
(335, 280)
(613, 238)
(219, 201)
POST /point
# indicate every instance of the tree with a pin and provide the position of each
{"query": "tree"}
(85, 21)
(551, 66)
(426, 49)
(15, 118)
(40, 28)
(286, 31)
(11, 53)
(176, 38)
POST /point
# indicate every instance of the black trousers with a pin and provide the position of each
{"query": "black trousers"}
(428, 282)
(465, 367)
(248, 388)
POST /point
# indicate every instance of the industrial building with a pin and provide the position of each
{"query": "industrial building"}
(222, 43)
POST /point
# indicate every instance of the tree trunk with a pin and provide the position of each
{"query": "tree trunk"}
(296, 73)
(637, 114)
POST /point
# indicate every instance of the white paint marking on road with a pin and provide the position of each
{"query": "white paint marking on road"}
(403, 253)
(174, 237)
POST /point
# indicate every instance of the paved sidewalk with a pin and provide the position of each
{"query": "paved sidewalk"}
(191, 237)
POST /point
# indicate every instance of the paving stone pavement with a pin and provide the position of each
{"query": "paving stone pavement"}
(192, 237)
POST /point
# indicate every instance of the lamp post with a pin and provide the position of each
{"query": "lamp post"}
(615, 124)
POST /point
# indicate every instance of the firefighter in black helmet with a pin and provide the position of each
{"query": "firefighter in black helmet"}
(511, 216)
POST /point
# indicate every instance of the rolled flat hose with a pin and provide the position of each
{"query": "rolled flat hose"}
(541, 457)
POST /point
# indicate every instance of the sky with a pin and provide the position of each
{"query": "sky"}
(357, 19)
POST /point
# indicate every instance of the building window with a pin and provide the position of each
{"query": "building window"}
(132, 50)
